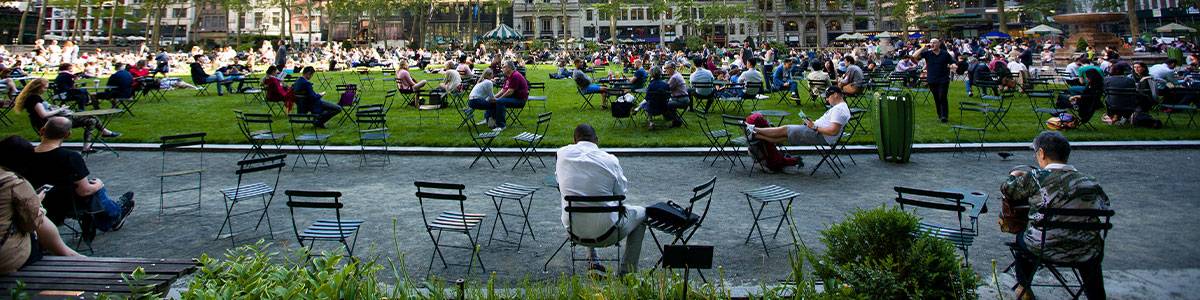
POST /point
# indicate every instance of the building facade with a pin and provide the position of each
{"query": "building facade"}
(778, 20)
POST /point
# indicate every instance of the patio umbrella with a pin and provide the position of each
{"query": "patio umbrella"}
(857, 36)
(1043, 29)
(843, 37)
(886, 35)
(1174, 28)
(996, 35)
(503, 33)
(916, 35)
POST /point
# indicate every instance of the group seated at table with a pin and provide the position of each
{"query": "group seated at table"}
(40, 111)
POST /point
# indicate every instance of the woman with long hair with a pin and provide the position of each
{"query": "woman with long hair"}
(30, 100)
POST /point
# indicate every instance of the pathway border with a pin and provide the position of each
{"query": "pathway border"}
(684, 151)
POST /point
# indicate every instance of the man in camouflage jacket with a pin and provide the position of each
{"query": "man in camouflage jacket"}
(1057, 185)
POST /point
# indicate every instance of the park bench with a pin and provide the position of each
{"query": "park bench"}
(87, 277)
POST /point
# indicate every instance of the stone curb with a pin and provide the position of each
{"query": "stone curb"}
(684, 151)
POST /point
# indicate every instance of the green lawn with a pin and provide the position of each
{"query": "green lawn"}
(184, 112)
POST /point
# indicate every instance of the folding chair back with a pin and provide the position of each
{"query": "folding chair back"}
(594, 205)
(432, 198)
(701, 200)
(174, 168)
(959, 232)
(304, 133)
(258, 130)
(373, 130)
(322, 229)
(1095, 222)
(270, 169)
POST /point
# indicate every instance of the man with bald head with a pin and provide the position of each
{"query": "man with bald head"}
(67, 172)
(585, 170)
(937, 73)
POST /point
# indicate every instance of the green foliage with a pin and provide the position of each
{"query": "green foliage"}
(874, 254)
(251, 272)
(693, 43)
(537, 45)
(1081, 45)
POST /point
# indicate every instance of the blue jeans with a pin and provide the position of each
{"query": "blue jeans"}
(480, 104)
(499, 109)
(219, 79)
(791, 86)
(968, 83)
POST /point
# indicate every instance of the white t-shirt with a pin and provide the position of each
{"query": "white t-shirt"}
(839, 114)
(483, 90)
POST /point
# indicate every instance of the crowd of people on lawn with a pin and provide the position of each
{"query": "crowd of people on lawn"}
(32, 212)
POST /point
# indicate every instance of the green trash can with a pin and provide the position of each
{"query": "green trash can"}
(894, 135)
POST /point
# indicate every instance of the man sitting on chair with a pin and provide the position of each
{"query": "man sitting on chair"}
(584, 83)
(822, 131)
(585, 170)
(311, 100)
(1057, 185)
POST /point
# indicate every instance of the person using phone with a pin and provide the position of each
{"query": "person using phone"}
(824, 130)
(24, 228)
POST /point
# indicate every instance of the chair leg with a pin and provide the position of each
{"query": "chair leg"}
(546, 266)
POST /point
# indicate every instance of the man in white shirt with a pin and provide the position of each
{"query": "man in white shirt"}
(1165, 71)
(585, 170)
(825, 130)
(453, 79)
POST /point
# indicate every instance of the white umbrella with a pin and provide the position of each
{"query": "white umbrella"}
(1174, 28)
(1044, 29)
(858, 36)
(843, 37)
(885, 35)
(135, 38)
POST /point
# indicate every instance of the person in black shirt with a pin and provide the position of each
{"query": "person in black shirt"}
(937, 74)
(200, 77)
(310, 101)
(30, 100)
(65, 87)
(67, 172)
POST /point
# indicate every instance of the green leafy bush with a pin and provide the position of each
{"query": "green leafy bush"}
(1081, 45)
(252, 272)
(874, 254)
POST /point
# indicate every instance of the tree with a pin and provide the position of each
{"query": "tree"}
(902, 14)
(155, 10)
(685, 15)
(21, 27)
(41, 19)
(1131, 12)
(1002, 15)
(239, 7)
(660, 8)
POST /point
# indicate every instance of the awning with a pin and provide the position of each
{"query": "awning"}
(1044, 29)
(996, 35)
(1174, 28)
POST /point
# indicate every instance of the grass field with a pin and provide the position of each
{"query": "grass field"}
(183, 112)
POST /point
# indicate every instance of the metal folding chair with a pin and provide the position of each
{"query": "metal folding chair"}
(518, 193)
(593, 205)
(427, 97)
(173, 168)
(6, 107)
(734, 142)
(764, 196)
(1041, 113)
(541, 86)
(454, 220)
(348, 109)
(716, 140)
(482, 140)
(1093, 221)
(259, 131)
(682, 233)
(831, 155)
(243, 192)
(961, 233)
(299, 123)
(528, 142)
(958, 129)
(373, 132)
(587, 99)
(344, 231)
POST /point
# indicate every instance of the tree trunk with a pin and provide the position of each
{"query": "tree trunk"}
(77, 27)
(112, 20)
(1000, 11)
(155, 36)
(41, 21)
(1131, 11)
(21, 27)
(285, 22)
(612, 22)
(470, 30)
(566, 21)
(662, 26)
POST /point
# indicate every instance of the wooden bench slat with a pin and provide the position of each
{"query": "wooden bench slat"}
(114, 264)
(73, 275)
(119, 259)
(73, 281)
(105, 269)
(34, 287)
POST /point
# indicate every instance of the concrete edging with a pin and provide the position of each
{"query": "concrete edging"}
(683, 151)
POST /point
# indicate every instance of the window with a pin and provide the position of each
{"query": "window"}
(589, 15)
(258, 18)
(545, 25)
(766, 5)
(834, 25)
(766, 26)
(179, 13)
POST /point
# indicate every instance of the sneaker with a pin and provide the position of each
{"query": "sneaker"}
(126, 202)
(111, 134)
(498, 129)
(750, 131)
(481, 122)
(597, 267)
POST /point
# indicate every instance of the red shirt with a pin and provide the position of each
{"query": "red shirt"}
(518, 85)
(139, 72)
